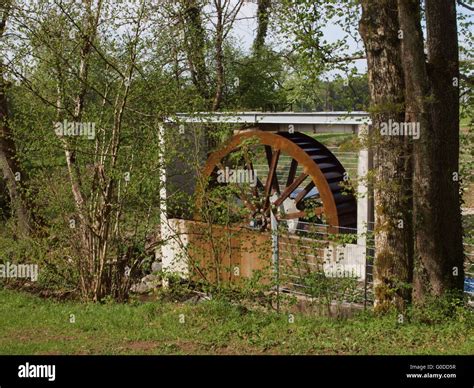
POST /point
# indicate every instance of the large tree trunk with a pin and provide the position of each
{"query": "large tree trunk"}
(443, 58)
(12, 172)
(195, 36)
(218, 94)
(11, 169)
(263, 18)
(393, 226)
(433, 101)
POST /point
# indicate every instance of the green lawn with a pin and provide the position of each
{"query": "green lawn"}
(333, 139)
(30, 325)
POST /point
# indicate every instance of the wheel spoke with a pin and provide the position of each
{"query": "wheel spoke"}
(271, 176)
(291, 216)
(302, 214)
(287, 192)
(249, 165)
(270, 159)
(304, 192)
(292, 172)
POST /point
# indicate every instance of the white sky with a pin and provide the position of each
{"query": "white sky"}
(244, 32)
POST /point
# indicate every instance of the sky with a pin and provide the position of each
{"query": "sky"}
(244, 31)
(245, 27)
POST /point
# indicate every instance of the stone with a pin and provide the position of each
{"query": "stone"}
(147, 283)
(156, 266)
(140, 288)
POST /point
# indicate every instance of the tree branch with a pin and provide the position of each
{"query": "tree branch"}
(463, 4)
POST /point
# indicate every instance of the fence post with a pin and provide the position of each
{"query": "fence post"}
(365, 287)
(363, 198)
(164, 227)
(275, 255)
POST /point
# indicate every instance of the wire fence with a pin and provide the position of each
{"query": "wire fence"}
(469, 271)
(336, 265)
(349, 159)
(326, 264)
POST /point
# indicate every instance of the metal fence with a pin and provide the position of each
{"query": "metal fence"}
(316, 263)
(349, 159)
(323, 263)
(469, 271)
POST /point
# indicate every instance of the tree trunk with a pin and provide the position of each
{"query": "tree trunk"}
(219, 58)
(11, 169)
(263, 17)
(433, 101)
(392, 189)
(195, 36)
(443, 58)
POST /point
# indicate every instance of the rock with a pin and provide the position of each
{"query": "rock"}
(156, 266)
(140, 288)
(148, 283)
(151, 278)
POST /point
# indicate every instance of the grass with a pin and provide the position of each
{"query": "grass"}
(333, 139)
(30, 325)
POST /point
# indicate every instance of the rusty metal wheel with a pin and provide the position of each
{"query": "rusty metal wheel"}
(291, 173)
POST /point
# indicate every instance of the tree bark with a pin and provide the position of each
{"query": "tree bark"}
(443, 59)
(433, 101)
(216, 104)
(11, 169)
(195, 36)
(392, 188)
(263, 18)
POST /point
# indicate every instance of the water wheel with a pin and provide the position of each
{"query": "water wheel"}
(291, 173)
